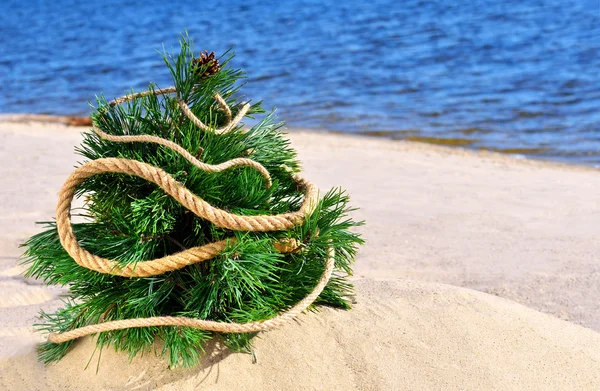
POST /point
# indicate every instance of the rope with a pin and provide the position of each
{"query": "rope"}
(188, 112)
(168, 263)
(144, 138)
(127, 98)
(209, 325)
(231, 123)
(201, 208)
(196, 205)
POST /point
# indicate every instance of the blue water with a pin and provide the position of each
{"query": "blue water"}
(522, 76)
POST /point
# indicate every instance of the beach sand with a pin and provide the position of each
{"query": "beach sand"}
(438, 221)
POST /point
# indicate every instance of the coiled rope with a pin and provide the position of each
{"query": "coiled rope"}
(196, 205)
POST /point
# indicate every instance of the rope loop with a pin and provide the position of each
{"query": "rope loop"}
(231, 123)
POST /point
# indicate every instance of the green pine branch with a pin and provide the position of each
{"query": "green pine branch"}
(131, 221)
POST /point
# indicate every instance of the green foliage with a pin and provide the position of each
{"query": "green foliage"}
(132, 220)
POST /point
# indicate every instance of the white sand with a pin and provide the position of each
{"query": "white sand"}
(522, 230)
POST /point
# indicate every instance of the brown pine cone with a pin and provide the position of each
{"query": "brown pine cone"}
(206, 65)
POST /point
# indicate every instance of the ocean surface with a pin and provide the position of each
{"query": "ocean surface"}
(520, 77)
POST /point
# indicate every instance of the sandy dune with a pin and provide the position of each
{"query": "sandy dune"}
(520, 229)
(523, 230)
(400, 335)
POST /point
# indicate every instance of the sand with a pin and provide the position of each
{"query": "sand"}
(526, 231)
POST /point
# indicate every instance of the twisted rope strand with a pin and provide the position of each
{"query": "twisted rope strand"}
(231, 123)
(184, 196)
(172, 262)
(144, 138)
(127, 98)
(188, 112)
(208, 325)
(223, 106)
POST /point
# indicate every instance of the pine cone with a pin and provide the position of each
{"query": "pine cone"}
(206, 65)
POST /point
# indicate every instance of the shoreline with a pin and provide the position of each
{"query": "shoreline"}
(457, 150)
(83, 122)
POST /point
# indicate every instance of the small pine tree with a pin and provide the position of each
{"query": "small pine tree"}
(131, 220)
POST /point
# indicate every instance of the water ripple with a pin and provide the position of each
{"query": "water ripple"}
(507, 76)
